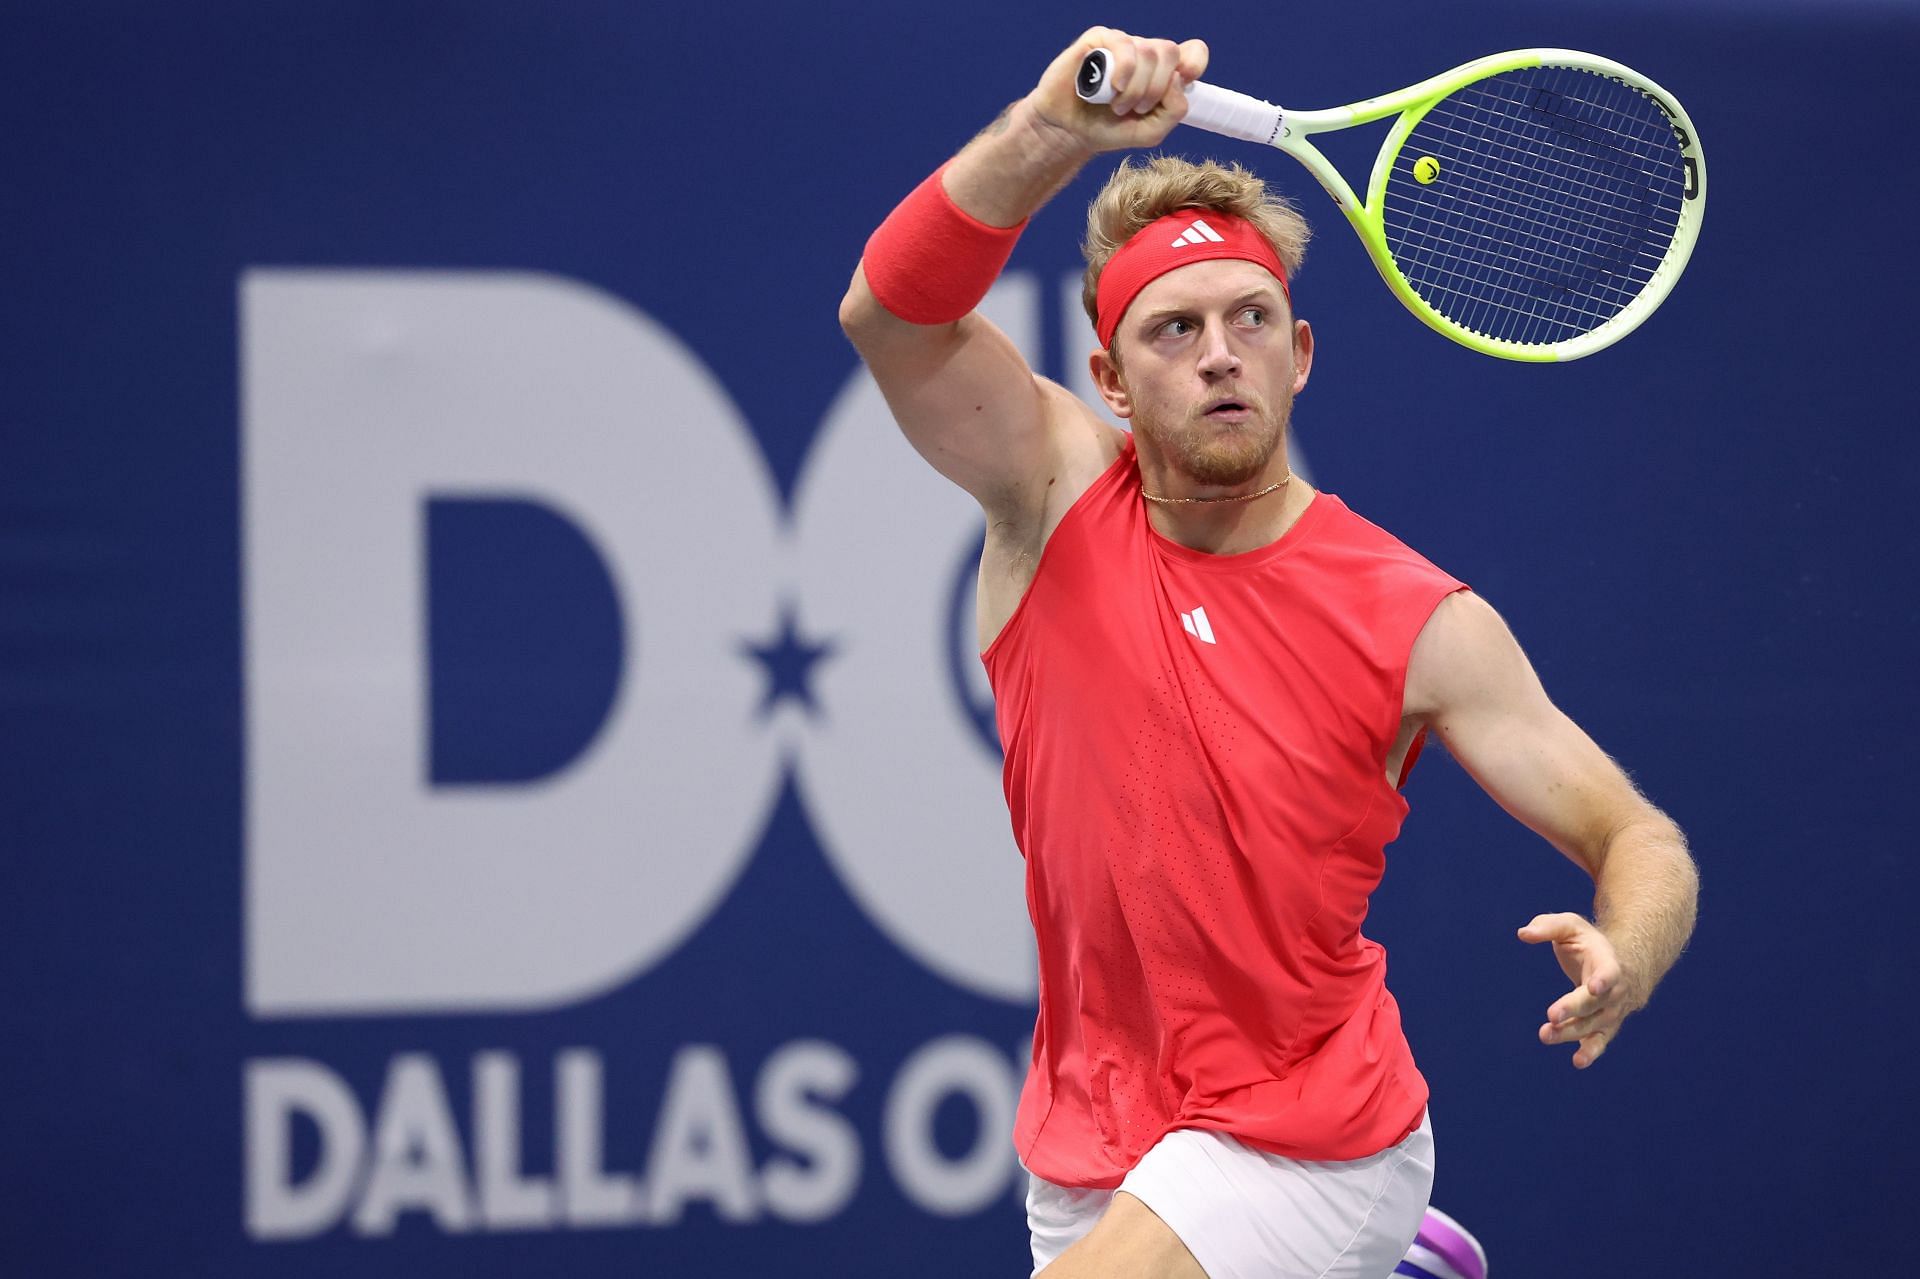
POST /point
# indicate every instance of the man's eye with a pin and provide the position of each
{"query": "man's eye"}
(1253, 315)
(1176, 328)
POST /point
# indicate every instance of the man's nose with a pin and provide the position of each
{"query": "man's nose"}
(1217, 356)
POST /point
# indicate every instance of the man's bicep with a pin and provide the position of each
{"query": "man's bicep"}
(962, 394)
(1488, 708)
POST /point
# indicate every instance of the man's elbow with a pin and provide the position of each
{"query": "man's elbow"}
(853, 305)
(1628, 822)
(887, 342)
(861, 315)
(1650, 833)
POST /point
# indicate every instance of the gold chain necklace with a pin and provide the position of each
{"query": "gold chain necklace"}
(1274, 487)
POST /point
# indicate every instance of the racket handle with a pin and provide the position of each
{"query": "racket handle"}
(1209, 107)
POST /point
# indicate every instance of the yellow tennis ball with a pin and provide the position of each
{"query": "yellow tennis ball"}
(1425, 169)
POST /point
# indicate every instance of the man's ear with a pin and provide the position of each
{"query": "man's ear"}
(1106, 380)
(1302, 354)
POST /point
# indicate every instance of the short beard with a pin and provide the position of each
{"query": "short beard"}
(1220, 467)
(1221, 463)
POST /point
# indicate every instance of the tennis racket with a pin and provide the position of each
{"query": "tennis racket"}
(1534, 205)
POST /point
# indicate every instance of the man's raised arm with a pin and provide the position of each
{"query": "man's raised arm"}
(958, 387)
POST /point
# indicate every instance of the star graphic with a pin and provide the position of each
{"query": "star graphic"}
(789, 661)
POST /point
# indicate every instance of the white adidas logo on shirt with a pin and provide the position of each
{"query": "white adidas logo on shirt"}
(1198, 233)
(1196, 624)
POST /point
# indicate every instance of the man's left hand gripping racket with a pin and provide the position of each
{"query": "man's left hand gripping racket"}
(1535, 205)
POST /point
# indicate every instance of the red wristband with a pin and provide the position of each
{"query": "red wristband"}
(931, 262)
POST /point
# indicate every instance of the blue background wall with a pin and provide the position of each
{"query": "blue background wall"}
(1703, 536)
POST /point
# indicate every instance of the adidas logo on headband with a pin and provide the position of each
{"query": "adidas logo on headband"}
(1198, 233)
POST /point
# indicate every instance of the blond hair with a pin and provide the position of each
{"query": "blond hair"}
(1137, 195)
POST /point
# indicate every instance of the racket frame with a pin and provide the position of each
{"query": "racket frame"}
(1238, 115)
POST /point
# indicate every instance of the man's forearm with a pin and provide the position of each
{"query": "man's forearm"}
(1646, 895)
(1014, 165)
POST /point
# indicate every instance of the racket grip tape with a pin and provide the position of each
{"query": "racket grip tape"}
(1209, 107)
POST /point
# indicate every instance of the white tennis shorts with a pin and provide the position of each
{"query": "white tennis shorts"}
(1246, 1214)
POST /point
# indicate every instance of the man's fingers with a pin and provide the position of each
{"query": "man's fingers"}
(1577, 1028)
(1560, 927)
(1571, 1008)
(1121, 61)
(1153, 76)
(1590, 1049)
(1148, 79)
(1593, 1034)
(1592, 1011)
(1143, 72)
(1193, 59)
(1130, 72)
(1578, 1002)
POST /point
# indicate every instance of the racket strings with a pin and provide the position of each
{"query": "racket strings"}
(1548, 254)
(1494, 198)
(1610, 218)
(1556, 198)
(1520, 250)
(1603, 187)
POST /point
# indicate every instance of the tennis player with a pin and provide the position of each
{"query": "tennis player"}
(1210, 681)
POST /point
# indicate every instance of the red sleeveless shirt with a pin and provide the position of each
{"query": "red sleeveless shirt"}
(1196, 752)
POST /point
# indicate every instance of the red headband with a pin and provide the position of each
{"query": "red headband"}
(1190, 235)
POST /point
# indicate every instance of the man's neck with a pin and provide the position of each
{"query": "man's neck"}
(1233, 528)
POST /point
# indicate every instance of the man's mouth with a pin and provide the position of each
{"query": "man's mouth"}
(1228, 411)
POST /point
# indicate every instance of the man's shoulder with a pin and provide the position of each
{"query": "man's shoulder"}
(1346, 531)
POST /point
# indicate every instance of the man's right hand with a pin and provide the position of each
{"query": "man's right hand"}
(1149, 79)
